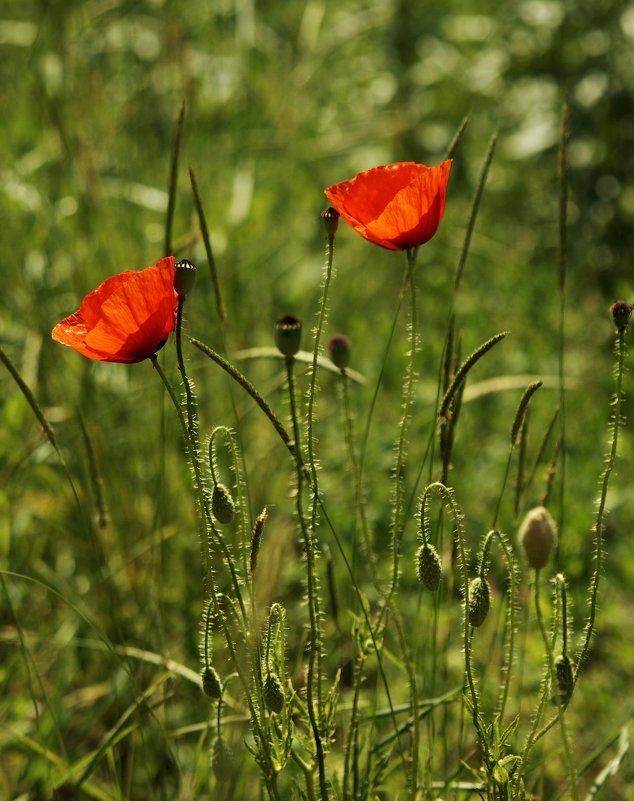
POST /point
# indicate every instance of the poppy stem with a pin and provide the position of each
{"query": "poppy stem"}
(599, 525)
(211, 589)
(312, 591)
(408, 393)
(198, 478)
(194, 450)
(397, 526)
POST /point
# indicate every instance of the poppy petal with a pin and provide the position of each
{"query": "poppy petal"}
(125, 319)
(396, 206)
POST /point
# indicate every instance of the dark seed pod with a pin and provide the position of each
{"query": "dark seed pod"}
(211, 682)
(565, 680)
(222, 504)
(479, 601)
(273, 693)
(428, 567)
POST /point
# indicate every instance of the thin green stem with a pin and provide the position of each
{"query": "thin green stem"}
(359, 496)
(210, 586)
(198, 477)
(310, 441)
(570, 764)
(315, 634)
(563, 237)
(192, 431)
(408, 394)
(599, 524)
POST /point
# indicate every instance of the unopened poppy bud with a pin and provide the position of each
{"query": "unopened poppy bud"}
(184, 277)
(565, 679)
(339, 350)
(211, 682)
(223, 761)
(428, 567)
(256, 538)
(621, 313)
(479, 601)
(330, 216)
(288, 335)
(222, 504)
(273, 693)
(538, 534)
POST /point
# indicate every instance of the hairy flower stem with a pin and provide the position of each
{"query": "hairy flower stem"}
(310, 439)
(359, 498)
(511, 566)
(210, 587)
(194, 450)
(313, 601)
(408, 393)
(617, 403)
(570, 764)
(198, 478)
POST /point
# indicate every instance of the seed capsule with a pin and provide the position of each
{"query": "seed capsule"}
(288, 335)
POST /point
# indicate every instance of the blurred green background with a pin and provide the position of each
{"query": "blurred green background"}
(282, 99)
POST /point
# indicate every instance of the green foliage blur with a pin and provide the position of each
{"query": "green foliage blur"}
(281, 100)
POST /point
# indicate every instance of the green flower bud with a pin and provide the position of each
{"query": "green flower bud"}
(222, 504)
(428, 567)
(538, 534)
(479, 601)
(273, 693)
(565, 679)
(223, 761)
(211, 682)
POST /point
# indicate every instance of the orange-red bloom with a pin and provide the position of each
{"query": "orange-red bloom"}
(127, 318)
(398, 206)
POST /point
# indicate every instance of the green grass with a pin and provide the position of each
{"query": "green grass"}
(102, 583)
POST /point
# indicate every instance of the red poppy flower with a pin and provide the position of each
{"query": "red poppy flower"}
(127, 318)
(398, 206)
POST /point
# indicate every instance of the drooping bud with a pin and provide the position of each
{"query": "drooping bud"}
(339, 349)
(256, 539)
(538, 534)
(428, 567)
(565, 680)
(184, 277)
(288, 335)
(330, 217)
(222, 504)
(621, 312)
(273, 693)
(223, 761)
(211, 682)
(479, 601)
